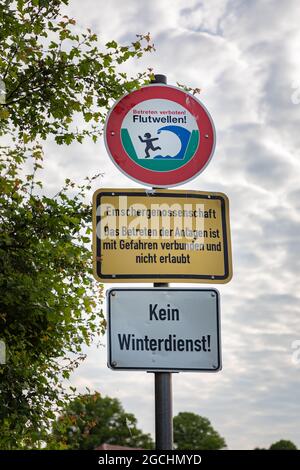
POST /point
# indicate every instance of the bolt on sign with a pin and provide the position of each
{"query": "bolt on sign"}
(159, 135)
(164, 329)
(161, 236)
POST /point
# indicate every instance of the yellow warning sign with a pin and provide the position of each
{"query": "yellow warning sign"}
(161, 236)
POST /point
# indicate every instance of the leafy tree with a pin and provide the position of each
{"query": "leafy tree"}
(91, 420)
(59, 84)
(49, 302)
(194, 432)
(53, 74)
(283, 445)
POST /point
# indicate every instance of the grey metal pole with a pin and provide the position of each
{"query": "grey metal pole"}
(163, 381)
(159, 79)
(163, 406)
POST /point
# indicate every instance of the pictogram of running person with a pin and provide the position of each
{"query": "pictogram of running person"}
(149, 143)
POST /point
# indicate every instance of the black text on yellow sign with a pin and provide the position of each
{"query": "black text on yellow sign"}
(161, 236)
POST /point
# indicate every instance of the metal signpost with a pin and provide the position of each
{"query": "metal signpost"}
(161, 136)
(164, 330)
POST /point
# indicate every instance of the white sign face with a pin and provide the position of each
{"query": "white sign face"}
(164, 329)
(159, 129)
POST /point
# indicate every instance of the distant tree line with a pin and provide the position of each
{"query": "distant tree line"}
(90, 420)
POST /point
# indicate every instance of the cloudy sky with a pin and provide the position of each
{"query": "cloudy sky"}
(243, 55)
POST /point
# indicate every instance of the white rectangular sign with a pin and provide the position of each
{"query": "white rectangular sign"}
(164, 329)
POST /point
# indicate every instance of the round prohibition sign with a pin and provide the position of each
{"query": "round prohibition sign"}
(160, 136)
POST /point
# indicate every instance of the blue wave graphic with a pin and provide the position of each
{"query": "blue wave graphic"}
(184, 136)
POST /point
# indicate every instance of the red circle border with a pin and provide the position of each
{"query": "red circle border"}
(150, 177)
